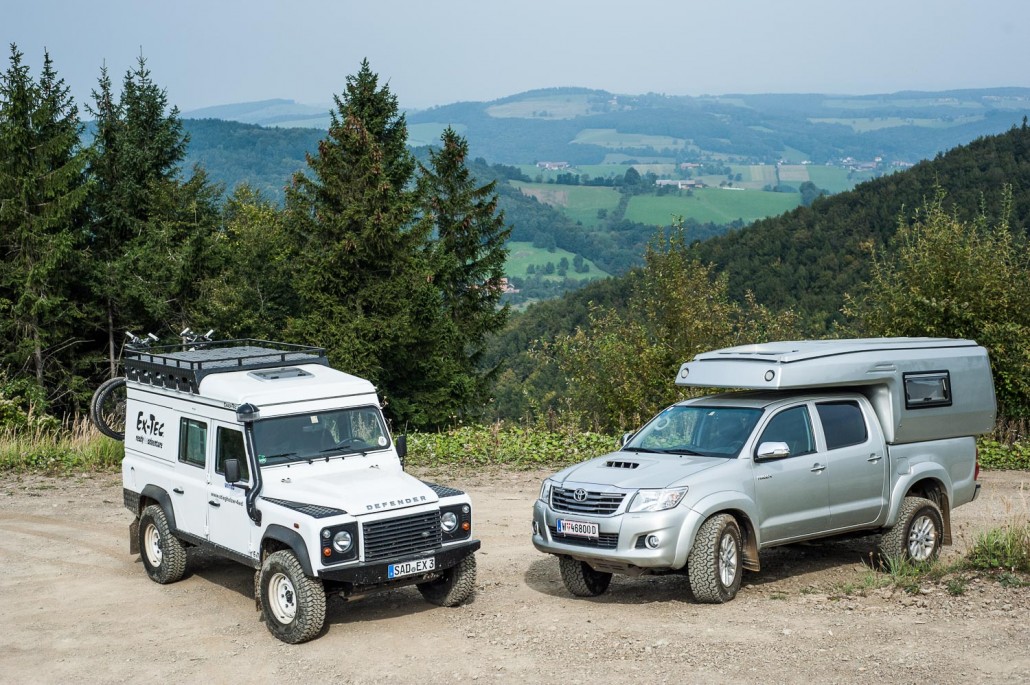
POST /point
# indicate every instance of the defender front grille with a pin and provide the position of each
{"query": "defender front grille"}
(602, 541)
(595, 503)
(403, 536)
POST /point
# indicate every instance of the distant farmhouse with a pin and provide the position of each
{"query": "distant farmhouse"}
(552, 166)
(682, 184)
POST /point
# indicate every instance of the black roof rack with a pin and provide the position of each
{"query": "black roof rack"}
(182, 367)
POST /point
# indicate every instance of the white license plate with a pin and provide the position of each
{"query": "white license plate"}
(408, 568)
(583, 529)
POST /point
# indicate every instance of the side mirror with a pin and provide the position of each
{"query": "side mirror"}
(626, 438)
(232, 470)
(401, 445)
(773, 450)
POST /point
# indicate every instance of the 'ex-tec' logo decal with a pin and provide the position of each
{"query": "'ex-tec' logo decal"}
(149, 425)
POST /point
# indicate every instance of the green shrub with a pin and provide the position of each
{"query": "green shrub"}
(1005, 548)
(999, 455)
(505, 444)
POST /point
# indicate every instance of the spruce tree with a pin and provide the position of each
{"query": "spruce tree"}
(361, 275)
(42, 193)
(149, 226)
(467, 260)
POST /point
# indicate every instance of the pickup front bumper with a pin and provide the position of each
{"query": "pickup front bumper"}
(622, 545)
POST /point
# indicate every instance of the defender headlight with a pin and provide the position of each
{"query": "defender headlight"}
(448, 521)
(656, 500)
(342, 541)
(545, 490)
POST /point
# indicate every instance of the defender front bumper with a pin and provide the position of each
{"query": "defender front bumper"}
(377, 573)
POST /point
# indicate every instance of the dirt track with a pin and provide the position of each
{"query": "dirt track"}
(77, 607)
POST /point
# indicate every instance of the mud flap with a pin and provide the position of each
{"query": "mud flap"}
(134, 537)
(257, 589)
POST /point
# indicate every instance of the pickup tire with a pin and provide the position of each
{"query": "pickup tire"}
(714, 564)
(455, 585)
(916, 536)
(163, 555)
(293, 605)
(580, 579)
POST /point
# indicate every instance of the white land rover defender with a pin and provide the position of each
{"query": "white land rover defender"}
(262, 453)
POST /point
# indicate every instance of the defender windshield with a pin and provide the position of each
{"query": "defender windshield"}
(698, 430)
(303, 437)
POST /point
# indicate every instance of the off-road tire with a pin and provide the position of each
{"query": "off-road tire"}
(107, 408)
(714, 564)
(163, 555)
(917, 535)
(292, 604)
(582, 580)
(454, 587)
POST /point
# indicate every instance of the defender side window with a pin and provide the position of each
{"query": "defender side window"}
(193, 442)
(229, 445)
(793, 427)
(843, 424)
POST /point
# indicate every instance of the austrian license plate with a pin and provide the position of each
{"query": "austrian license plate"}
(583, 529)
(408, 568)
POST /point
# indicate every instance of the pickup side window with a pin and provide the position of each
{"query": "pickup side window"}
(793, 427)
(843, 424)
(192, 442)
(229, 445)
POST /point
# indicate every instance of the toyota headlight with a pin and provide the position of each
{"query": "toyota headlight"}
(656, 500)
(545, 490)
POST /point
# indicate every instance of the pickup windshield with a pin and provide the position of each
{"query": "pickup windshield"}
(319, 435)
(697, 430)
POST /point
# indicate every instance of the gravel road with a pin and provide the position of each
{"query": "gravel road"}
(77, 607)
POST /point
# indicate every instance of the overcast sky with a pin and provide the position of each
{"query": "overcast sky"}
(214, 52)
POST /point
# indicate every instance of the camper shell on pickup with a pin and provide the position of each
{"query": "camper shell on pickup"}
(818, 439)
(909, 381)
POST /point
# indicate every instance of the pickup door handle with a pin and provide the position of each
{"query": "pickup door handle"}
(875, 458)
(214, 503)
(178, 491)
(817, 467)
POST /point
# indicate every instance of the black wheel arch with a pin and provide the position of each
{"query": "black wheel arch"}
(278, 537)
(158, 495)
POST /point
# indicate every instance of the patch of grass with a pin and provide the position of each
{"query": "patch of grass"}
(778, 595)
(1006, 548)
(78, 446)
(957, 585)
(716, 205)
(521, 255)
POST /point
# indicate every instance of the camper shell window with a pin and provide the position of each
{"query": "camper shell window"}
(930, 389)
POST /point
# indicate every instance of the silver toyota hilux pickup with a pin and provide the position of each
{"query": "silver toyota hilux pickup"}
(826, 438)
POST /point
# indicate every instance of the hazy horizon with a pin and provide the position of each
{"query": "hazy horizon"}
(215, 53)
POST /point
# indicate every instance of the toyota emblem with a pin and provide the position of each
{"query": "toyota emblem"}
(580, 495)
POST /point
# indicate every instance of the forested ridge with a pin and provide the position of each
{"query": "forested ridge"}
(811, 257)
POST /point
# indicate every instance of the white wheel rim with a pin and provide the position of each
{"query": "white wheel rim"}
(727, 560)
(282, 598)
(922, 538)
(152, 545)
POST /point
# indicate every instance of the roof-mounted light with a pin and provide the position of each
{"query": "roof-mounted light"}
(247, 412)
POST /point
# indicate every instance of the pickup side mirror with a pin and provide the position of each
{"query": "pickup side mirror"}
(625, 438)
(773, 450)
(232, 470)
(401, 444)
